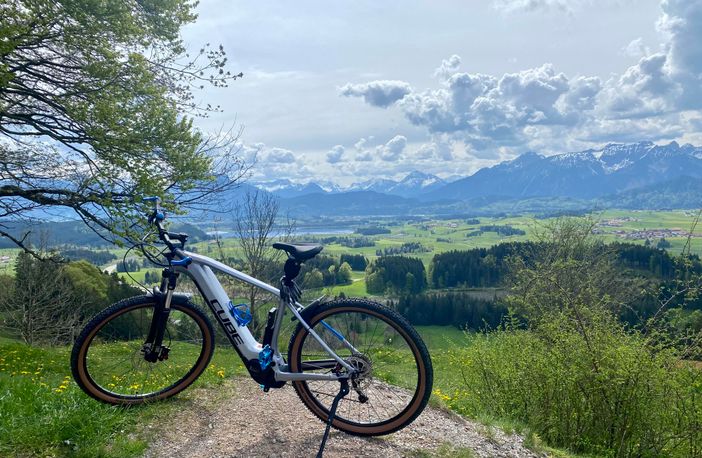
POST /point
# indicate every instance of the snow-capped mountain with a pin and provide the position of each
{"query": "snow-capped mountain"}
(382, 185)
(614, 168)
(329, 186)
(414, 184)
(288, 189)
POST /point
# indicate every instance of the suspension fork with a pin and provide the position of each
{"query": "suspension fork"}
(153, 348)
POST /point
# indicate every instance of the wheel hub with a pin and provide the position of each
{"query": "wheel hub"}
(364, 369)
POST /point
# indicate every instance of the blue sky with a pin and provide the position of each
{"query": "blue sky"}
(347, 91)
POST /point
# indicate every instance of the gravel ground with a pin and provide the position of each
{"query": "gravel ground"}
(250, 423)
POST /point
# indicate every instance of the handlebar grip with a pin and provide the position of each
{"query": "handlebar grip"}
(181, 237)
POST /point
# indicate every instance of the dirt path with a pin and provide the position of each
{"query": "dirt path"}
(245, 422)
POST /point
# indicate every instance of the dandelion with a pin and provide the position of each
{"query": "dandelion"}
(220, 373)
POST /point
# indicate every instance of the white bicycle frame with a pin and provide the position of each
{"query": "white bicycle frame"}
(201, 269)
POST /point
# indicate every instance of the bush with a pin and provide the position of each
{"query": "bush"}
(614, 395)
(47, 301)
(574, 373)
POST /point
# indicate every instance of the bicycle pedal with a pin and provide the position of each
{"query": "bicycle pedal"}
(265, 357)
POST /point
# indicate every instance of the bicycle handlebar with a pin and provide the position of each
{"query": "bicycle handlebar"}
(157, 217)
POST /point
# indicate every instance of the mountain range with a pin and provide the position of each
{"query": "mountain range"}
(414, 184)
(629, 176)
(637, 175)
(593, 173)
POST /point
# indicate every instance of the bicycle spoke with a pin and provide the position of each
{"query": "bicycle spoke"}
(117, 364)
(384, 350)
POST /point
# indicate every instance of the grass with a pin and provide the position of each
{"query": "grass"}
(357, 287)
(44, 413)
(36, 389)
(138, 277)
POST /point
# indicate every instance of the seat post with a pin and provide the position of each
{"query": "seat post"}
(292, 270)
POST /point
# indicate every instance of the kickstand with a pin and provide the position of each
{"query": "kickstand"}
(343, 391)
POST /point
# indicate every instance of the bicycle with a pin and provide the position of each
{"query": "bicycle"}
(153, 346)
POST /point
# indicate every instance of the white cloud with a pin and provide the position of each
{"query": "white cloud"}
(335, 154)
(364, 156)
(278, 155)
(274, 162)
(682, 22)
(392, 150)
(542, 106)
(534, 5)
(387, 152)
(485, 110)
(448, 67)
(434, 151)
(644, 90)
(580, 98)
(636, 49)
(381, 93)
(361, 143)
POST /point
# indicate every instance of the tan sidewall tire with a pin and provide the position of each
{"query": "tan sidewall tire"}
(425, 371)
(80, 349)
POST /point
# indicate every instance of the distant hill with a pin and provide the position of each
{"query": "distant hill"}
(51, 234)
(348, 203)
(631, 176)
(681, 192)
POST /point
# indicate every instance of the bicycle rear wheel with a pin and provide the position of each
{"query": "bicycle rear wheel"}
(395, 368)
(108, 359)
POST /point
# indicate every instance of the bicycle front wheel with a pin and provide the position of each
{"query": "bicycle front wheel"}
(395, 372)
(108, 360)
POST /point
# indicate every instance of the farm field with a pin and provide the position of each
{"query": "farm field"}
(437, 236)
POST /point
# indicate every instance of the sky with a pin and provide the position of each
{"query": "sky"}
(351, 91)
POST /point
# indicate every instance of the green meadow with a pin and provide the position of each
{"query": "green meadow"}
(44, 413)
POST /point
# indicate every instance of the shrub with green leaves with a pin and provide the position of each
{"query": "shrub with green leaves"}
(573, 373)
(614, 395)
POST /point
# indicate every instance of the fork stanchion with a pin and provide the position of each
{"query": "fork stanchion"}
(343, 391)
